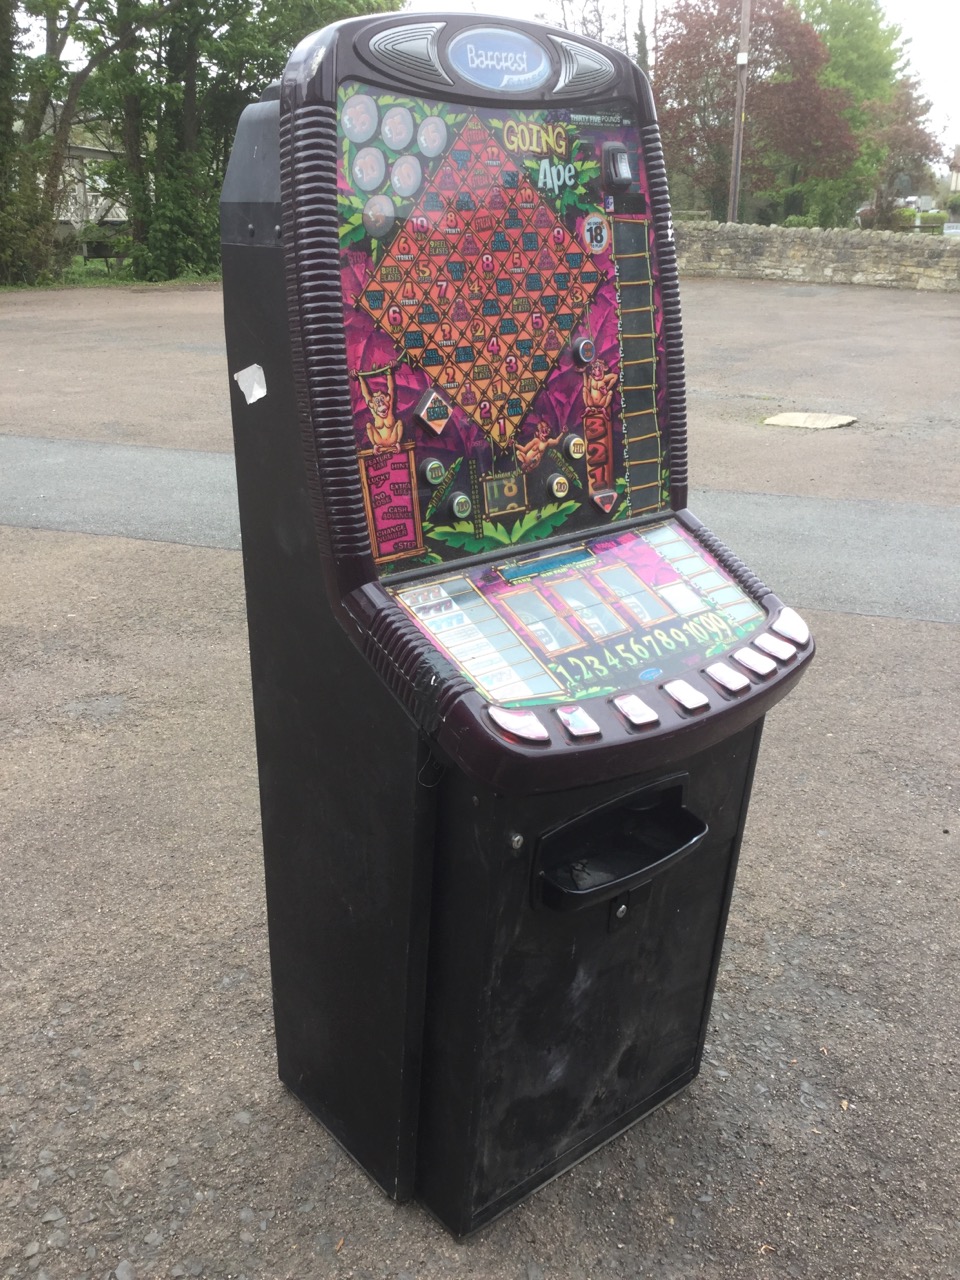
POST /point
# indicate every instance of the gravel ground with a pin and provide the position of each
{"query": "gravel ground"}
(143, 1132)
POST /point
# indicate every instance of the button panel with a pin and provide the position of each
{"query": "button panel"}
(756, 662)
(519, 723)
(686, 696)
(778, 649)
(577, 722)
(727, 677)
(790, 625)
(635, 711)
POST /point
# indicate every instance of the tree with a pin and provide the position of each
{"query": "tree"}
(55, 85)
(907, 144)
(643, 52)
(608, 21)
(188, 82)
(866, 58)
(162, 84)
(795, 127)
(869, 60)
(8, 148)
(866, 54)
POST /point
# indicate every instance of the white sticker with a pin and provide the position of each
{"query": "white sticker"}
(251, 382)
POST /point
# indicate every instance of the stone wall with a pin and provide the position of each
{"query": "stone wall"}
(890, 259)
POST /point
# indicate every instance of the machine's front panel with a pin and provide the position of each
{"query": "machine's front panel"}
(590, 619)
(502, 322)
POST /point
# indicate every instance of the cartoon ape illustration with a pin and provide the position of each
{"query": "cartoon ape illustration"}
(598, 384)
(530, 455)
(386, 430)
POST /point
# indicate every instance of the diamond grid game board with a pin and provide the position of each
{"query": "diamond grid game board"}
(503, 326)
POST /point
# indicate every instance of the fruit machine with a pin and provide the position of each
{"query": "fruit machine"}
(508, 690)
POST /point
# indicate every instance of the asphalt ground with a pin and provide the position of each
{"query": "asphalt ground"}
(144, 1132)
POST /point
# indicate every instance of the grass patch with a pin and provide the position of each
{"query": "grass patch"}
(98, 274)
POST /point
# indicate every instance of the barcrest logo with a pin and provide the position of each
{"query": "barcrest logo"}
(499, 60)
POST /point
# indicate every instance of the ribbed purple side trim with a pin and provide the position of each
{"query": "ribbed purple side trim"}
(670, 300)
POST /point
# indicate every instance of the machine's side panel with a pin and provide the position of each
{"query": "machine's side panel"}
(347, 881)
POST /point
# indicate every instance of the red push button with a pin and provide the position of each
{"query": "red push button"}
(519, 723)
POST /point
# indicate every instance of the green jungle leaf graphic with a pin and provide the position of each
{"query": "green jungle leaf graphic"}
(534, 525)
(462, 536)
(417, 562)
(352, 230)
(538, 524)
(623, 509)
(743, 629)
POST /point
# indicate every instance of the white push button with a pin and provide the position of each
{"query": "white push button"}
(686, 695)
(577, 723)
(727, 678)
(758, 663)
(792, 626)
(635, 711)
(519, 723)
(778, 649)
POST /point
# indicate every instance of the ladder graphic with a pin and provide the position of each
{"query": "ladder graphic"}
(642, 444)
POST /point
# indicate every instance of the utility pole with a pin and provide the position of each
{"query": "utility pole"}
(742, 60)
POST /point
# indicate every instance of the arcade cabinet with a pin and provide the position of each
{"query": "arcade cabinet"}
(508, 690)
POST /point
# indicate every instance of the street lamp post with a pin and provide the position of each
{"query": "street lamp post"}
(742, 60)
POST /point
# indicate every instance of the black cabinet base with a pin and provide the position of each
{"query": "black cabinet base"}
(550, 1030)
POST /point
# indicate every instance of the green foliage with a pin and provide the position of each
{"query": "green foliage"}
(832, 119)
(575, 197)
(622, 511)
(529, 528)
(795, 125)
(866, 62)
(162, 87)
(642, 57)
(542, 522)
(865, 50)
(908, 219)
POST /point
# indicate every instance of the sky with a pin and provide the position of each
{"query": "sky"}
(933, 27)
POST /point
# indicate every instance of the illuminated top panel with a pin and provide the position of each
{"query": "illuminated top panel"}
(502, 320)
(586, 620)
